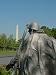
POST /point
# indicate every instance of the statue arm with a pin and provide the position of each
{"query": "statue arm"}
(51, 54)
(51, 48)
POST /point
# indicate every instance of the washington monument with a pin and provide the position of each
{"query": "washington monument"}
(17, 33)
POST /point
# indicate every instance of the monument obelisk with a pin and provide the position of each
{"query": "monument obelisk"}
(17, 33)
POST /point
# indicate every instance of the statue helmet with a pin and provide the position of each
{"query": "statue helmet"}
(34, 26)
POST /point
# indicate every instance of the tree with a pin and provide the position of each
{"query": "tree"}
(49, 32)
(3, 41)
(54, 32)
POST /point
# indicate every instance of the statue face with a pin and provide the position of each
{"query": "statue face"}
(30, 30)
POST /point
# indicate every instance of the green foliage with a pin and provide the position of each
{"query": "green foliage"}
(3, 71)
(50, 32)
(7, 52)
(8, 43)
(53, 31)
(3, 40)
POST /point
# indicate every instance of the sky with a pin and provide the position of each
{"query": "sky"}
(22, 12)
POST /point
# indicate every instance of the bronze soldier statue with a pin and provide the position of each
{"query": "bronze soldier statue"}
(41, 52)
(38, 57)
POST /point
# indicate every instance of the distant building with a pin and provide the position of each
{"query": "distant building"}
(17, 33)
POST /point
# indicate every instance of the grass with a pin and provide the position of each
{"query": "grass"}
(8, 52)
(3, 70)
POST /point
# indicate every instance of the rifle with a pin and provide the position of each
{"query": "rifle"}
(22, 42)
